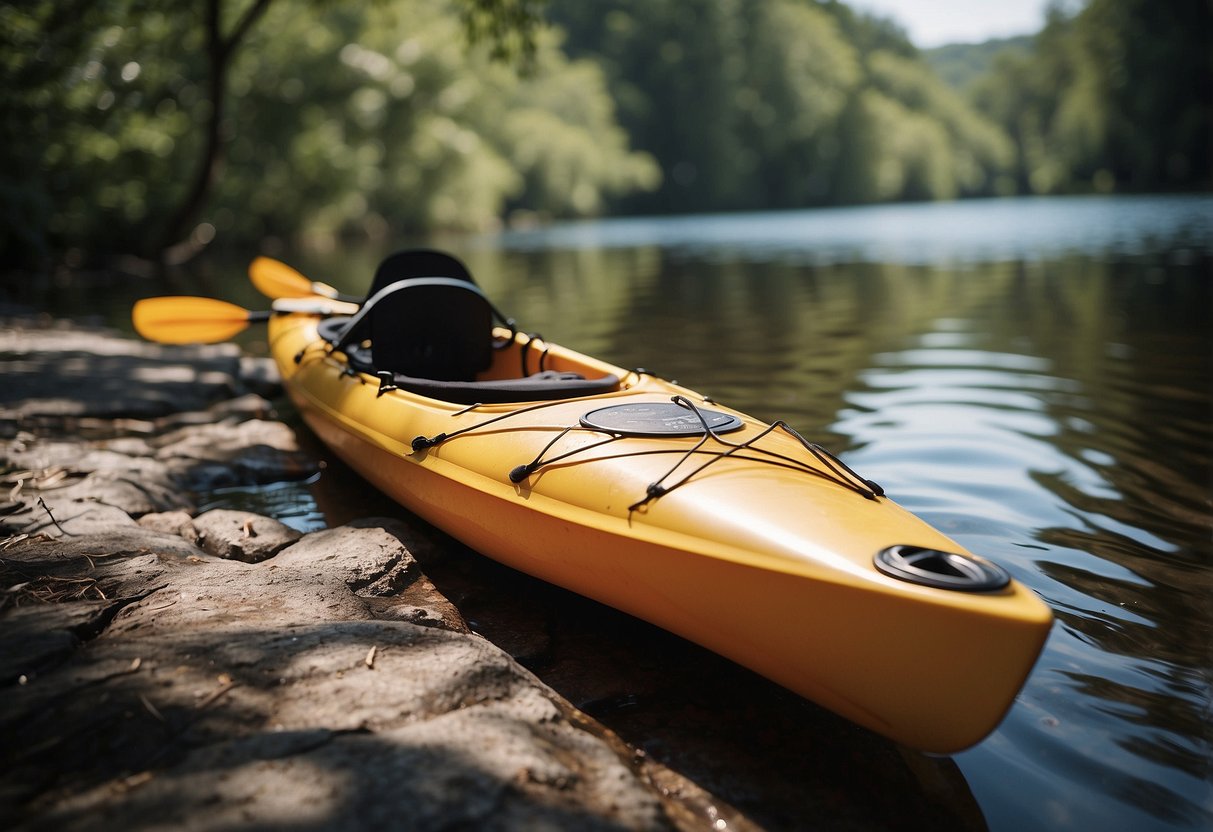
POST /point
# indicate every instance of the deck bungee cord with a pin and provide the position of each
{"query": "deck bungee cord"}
(527, 346)
(834, 469)
(864, 487)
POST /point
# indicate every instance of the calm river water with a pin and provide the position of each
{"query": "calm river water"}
(1034, 377)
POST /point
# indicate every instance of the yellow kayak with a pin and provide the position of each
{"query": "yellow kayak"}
(632, 490)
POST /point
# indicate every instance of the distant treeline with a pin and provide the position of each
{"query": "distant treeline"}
(781, 104)
(789, 103)
(1116, 97)
(960, 64)
(379, 119)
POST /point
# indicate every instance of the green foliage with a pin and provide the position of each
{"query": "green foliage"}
(783, 103)
(953, 151)
(559, 132)
(95, 113)
(339, 119)
(906, 153)
(1116, 96)
(411, 130)
(959, 64)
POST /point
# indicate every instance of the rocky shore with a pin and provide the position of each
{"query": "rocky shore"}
(163, 667)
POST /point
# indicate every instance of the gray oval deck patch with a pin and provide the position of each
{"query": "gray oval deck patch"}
(658, 419)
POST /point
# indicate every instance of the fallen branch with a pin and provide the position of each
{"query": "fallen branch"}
(47, 509)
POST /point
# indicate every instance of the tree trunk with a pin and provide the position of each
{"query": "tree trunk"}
(219, 51)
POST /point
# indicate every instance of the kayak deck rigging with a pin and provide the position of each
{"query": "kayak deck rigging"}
(833, 468)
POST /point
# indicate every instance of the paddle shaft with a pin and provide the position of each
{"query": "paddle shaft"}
(308, 306)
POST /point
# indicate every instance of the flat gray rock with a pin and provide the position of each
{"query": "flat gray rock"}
(238, 535)
(201, 692)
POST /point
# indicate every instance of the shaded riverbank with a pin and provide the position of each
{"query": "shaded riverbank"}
(219, 670)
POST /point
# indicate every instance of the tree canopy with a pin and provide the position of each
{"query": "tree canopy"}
(782, 103)
(1117, 96)
(398, 116)
(339, 119)
(791, 103)
(960, 64)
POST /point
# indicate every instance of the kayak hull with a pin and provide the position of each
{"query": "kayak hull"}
(768, 566)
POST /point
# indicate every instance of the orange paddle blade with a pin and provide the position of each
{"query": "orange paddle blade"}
(276, 279)
(189, 320)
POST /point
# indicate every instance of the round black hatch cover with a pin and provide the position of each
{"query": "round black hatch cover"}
(942, 570)
(658, 419)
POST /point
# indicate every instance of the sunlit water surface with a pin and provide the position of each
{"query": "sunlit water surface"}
(1034, 377)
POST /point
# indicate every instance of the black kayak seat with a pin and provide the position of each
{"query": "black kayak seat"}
(407, 265)
(432, 327)
(429, 327)
(425, 317)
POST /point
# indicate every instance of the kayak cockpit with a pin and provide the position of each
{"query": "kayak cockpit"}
(506, 379)
(426, 327)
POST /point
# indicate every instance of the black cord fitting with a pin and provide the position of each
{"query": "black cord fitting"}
(420, 443)
(387, 382)
(520, 473)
